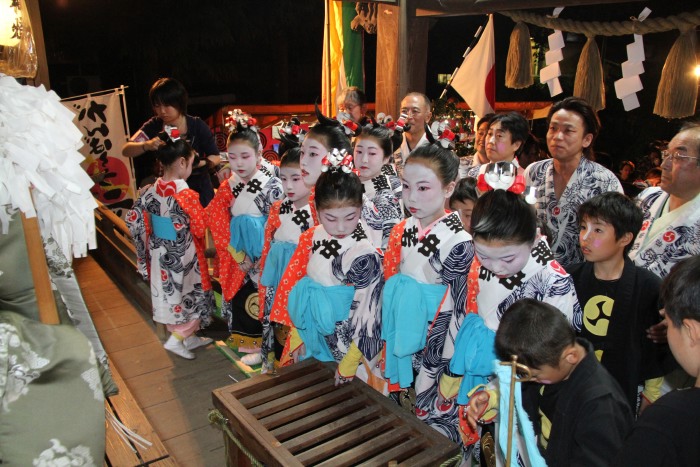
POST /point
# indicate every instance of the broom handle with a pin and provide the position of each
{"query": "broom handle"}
(48, 313)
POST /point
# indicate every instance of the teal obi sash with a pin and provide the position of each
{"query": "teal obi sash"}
(314, 310)
(408, 307)
(474, 355)
(163, 227)
(248, 234)
(277, 260)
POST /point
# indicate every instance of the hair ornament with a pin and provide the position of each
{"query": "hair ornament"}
(502, 176)
(443, 134)
(291, 132)
(172, 134)
(237, 120)
(338, 160)
(349, 127)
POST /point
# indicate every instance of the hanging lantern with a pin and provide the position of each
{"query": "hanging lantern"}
(18, 55)
(10, 23)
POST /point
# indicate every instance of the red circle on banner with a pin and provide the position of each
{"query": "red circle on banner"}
(115, 184)
(556, 210)
(669, 236)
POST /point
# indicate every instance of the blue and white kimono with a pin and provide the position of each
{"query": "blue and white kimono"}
(285, 225)
(236, 218)
(337, 303)
(382, 208)
(561, 215)
(666, 237)
(163, 223)
(433, 260)
(542, 278)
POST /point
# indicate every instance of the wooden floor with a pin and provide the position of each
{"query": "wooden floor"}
(174, 393)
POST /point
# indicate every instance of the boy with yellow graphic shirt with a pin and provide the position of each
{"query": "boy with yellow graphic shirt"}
(620, 300)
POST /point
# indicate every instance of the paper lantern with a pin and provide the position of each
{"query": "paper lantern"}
(10, 23)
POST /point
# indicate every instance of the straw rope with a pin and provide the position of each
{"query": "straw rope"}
(682, 22)
(217, 419)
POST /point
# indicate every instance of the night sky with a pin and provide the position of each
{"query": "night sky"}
(269, 52)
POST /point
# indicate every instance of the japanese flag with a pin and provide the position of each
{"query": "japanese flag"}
(475, 80)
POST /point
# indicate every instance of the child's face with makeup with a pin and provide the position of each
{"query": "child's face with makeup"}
(597, 240)
(340, 220)
(502, 258)
(312, 154)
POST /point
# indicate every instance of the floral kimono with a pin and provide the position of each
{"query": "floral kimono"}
(666, 237)
(561, 216)
(284, 226)
(168, 227)
(423, 308)
(237, 216)
(331, 294)
(382, 209)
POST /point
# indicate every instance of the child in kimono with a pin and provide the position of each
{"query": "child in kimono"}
(237, 216)
(373, 149)
(288, 219)
(321, 139)
(512, 262)
(336, 282)
(424, 304)
(168, 227)
(620, 300)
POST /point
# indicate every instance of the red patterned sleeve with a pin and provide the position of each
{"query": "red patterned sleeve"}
(189, 202)
(293, 274)
(392, 256)
(218, 216)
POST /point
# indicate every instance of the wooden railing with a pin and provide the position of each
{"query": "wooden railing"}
(117, 255)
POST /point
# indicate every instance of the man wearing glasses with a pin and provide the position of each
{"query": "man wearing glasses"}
(671, 228)
(417, 107)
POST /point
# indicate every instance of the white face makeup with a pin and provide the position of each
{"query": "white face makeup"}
(502, 259)
(423, 193)
(340, 222)
(312, 154)
(243, 159)
(368, 158)
(293, 184)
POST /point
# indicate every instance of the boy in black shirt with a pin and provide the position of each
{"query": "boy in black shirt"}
(578, 411)
(668, 433)
(619, 300)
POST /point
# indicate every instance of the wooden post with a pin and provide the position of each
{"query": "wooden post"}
(402, 54)
(48, 313)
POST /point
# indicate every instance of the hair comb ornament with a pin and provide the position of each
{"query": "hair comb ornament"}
(237, 120)
(501, 176)
(170, 134)
(443, 134)
(349, 127)
(292, 132)
(338, 160)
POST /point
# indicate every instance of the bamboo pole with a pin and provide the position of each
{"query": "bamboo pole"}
(48, 312)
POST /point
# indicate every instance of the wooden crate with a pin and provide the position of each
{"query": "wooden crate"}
(300, 418)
